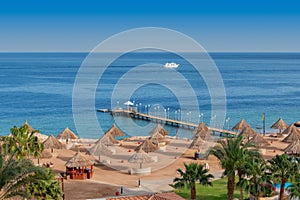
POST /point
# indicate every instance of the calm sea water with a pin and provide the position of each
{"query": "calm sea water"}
(38, 87)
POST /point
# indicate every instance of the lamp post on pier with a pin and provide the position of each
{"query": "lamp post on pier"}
(201, 117)
(227, 122)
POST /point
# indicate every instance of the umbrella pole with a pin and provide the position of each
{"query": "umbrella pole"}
(141, 165)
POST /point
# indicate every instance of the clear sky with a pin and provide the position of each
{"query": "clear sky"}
(238, 26)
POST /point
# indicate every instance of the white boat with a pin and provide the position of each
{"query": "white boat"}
(171, 65)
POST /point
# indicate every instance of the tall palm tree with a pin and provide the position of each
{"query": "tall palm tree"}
(295, 189)
(22, 178)
(45, 186)
(15, 175)
(21, 143)
(283, 168)
(232, 155)
(257, 181)
(193, 173)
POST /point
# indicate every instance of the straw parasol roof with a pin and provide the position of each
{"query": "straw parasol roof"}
(159, 129)
(30, 129)
(67, 134)
(259, 140)
(196, 143)
(52, 143)
(248, 132)
(294, 147)
(115, 131)
(100, 149)
(279, 124)
(108, 139)
(293, 134)
(240, 125)
(157, 138)
(147, 146)
(297, 124)
(79, 160)
(202, 131)
(140, 157)
(46, 153)
(200, 127)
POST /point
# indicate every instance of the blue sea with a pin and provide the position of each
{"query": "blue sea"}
(38, 87)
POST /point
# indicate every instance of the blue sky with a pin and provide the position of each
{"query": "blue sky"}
(238, 26)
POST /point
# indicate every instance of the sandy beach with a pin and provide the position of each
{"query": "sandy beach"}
(109, 178)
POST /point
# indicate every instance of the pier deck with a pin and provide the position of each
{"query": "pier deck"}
(171, 122)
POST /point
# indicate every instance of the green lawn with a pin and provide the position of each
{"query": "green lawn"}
(217, 192)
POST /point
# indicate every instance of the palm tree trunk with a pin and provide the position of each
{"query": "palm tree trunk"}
(193, 192)
(230, 187)
(281, 194)
(241, 189)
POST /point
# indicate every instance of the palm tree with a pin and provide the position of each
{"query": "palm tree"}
(45, 186)
(283, 168)
(232, 155)
(295, 189)
(21, 143)
(193, 173)
(257, 181)
(22, 178)
(15, 175)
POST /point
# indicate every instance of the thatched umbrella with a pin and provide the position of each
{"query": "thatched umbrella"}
(79, 160)
(259, 140)
(240, 125)
(159, 129)
(294, 147)
(197, 143)
(100, 149)
(52, 143)
(297, 124)
(200, 127)
(140, 157)
(46, 153)
(202, 131)
(147, 146)
(280, 125)
(157, 138)
(248, 132)
(115, 131)
(67, 134)
(108, 139)
(293, 134)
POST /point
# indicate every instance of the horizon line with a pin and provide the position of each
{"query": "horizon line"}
(150, 52)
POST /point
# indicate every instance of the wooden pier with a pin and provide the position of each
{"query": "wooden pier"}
(156, 119)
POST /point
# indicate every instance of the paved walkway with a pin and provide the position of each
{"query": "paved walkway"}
(154, 186)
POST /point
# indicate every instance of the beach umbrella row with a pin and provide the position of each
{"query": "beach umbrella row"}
(250, 134)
